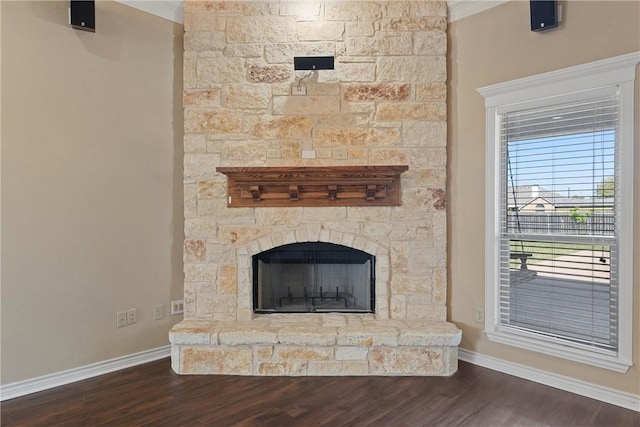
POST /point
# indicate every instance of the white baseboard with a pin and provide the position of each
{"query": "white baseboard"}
(594, 391)
(21, 388)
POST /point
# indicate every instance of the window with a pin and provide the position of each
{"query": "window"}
(558, 275)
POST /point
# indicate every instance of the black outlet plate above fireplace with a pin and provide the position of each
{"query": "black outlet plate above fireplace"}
(313, 62)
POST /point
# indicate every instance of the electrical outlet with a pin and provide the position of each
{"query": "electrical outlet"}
(121, 319)
(479, 315)
(132, 316)
(177, 306)
(158, 312)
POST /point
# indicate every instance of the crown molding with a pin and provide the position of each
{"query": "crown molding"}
(459, 9)
(173, 10)
(168, 9)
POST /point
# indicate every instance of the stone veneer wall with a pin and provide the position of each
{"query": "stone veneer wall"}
(385, 103)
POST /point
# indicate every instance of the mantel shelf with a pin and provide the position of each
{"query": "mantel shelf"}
(313, 186)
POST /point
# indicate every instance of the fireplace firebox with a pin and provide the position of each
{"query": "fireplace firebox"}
(313, 277)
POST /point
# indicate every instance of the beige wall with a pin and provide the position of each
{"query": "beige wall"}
(497, 46)
(91, 184)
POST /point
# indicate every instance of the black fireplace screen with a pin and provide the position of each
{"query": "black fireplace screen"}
(313, 277)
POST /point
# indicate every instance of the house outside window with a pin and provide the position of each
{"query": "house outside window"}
(559, 261)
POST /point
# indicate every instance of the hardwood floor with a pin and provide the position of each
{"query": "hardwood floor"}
(152, 395)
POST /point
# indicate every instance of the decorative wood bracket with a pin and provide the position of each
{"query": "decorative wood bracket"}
(313, 186)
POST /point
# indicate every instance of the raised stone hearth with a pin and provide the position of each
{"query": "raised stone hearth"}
(315, 344)
(384, 104)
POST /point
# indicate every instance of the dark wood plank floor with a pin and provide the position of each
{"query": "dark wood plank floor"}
(152, 395)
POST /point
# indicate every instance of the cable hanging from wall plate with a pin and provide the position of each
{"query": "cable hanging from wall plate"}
(303, 78)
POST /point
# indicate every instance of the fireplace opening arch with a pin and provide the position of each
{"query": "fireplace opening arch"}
(313, 277)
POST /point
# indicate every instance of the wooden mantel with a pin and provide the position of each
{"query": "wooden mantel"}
(313, 186)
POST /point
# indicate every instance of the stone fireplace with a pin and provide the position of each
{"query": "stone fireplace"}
(383, 104)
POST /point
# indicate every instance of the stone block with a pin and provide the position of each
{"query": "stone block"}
(388, 156)
(212, 189)
(201, 97)
(246, 335)
(198, 228)
(219, 7)
(352, 11)
(337, 367)
(269, 73)
(383, 44)
(419, 69)
(203, 22)
(241, 235)
(216, 208)
(376, 137)
(244, 50)
(263, 352)
(439, 286)
(246, 96)
(406, 361)
(250, 8)
(431, 42)
(302, 335)
(200, 166)
(424, 134)
(194, 251)
(200, 272)
(288, 368)
(352, 353)
(398, 307)
(278, 216)
(431, 92)
(195, 143)
(209, 302)
(303, 353)
(190, 203)
(434, 111)
(216, 360)
(349, 72)
(270, 127)
(428, 8)
(331, 213)
(193, 332)
(320, 31)
(304, 9)
(245, 151)
(204, 40)
(377, 92)
(305, 104)
(359, 29)
(436, 313)
(430, 334)
(282, 53)
(366, 337)
(412, 23)
(261, 29)
(212, 121)
(403, 285)
(220, 70)
(228, 279)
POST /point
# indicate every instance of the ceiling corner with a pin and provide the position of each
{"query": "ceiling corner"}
(459, 9)
(168, 9)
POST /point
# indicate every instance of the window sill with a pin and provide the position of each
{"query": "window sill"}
(555, 347)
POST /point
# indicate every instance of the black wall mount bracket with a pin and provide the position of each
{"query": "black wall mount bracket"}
(313, 62)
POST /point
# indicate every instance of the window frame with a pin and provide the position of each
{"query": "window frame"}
(549, 89)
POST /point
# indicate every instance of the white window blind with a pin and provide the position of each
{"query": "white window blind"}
(558, 221)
